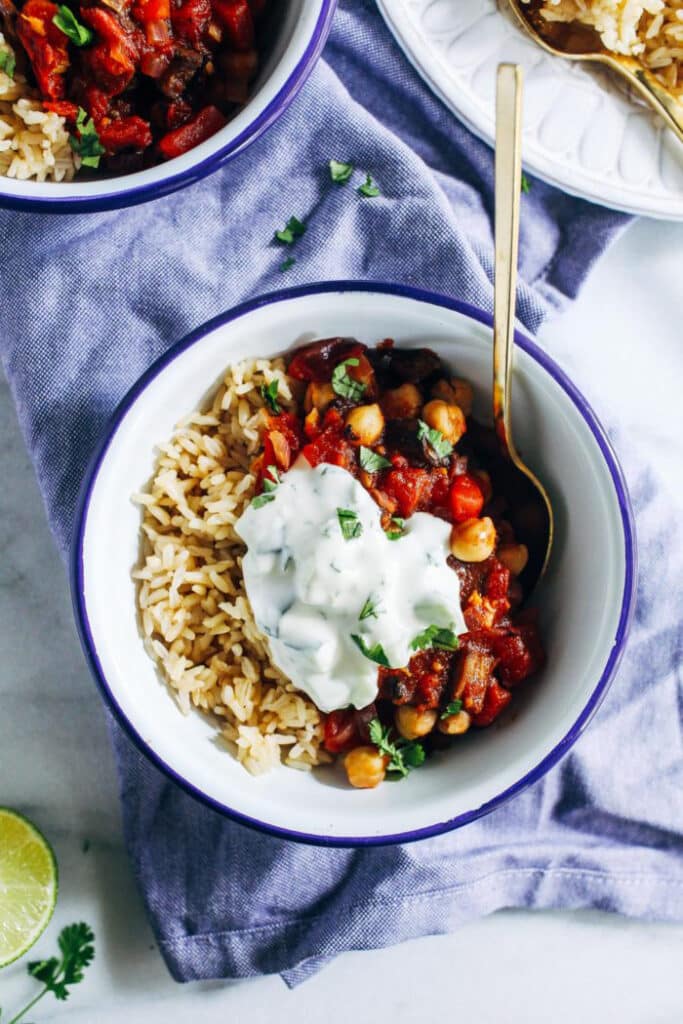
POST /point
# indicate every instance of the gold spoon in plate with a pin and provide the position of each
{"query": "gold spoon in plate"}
(532, 515)
(576, 41)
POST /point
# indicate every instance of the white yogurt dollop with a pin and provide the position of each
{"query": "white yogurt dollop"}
(308, 585)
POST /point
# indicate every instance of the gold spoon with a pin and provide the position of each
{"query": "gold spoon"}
(576, 41)
(532, 517)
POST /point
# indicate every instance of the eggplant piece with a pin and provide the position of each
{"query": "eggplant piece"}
(318, 360)
(471, 677)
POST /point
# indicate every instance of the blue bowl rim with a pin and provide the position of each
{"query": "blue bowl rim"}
(431, 298)
(123, 197)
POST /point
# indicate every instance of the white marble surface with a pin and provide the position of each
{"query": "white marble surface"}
(56, 766)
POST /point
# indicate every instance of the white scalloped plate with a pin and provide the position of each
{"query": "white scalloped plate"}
(582, 131)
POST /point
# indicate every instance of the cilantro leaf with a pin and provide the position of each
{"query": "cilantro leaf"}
(399, 531)
(371, 462)
(67, 22)
(269, 485)
(287, 264)
(350, 524)
(87, 145)
(435, 636)
(374, 653)
(262, 499)
(340, 172)
(369, 610)
(403, 754)
(76, 945)
(344, 385)
(435, 439)
(368, 188)
(526, 184)
(269, 395)
(293, 229)
(453, 708)
(8, 63)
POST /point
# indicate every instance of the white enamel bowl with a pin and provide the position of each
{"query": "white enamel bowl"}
(299, 36)
(586, 598)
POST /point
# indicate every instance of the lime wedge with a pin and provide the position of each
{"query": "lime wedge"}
(28, 885)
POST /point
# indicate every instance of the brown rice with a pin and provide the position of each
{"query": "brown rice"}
(195, 616)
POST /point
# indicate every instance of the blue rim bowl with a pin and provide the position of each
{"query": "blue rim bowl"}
(436, 306)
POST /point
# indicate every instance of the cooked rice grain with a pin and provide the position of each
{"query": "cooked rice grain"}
(195, 616)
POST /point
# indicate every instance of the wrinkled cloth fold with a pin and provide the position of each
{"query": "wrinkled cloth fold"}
(89, 301)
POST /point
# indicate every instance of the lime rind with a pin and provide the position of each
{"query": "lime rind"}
(28, 885)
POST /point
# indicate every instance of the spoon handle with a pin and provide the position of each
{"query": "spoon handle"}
(508, 184)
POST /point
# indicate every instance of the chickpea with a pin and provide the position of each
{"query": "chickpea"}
(484, 481)
(514, 557)
(413, 723)
(365, 767)
(365, 423)
(473, 540)
(447, 419)
(444, 391)
(318, 396)
(454, 725)
(403, 403)
(464, 394)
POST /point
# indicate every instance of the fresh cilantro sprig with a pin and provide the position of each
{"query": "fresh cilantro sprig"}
(67, 22)
(371, 462)
(8, 63)
(368, 189)
(369, 610)
(87, 144)
(435, 636)
(340, 172)
(293, 229)
(526, 184)
(269, 393)
(344, 385)
(349, 523)
(374, 653)
(403, 754)
(58, 973)
(400, 528)
(453, 708)
(269, 486)
(435, 439)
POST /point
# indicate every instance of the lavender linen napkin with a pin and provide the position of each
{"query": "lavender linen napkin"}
(87, 302)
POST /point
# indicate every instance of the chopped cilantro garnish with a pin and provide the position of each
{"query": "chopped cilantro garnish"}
(435, 439)
(350, 524)
(374, 653)
(7, 62)
(269, 485)
(403, 754)
(369, 610)
(368, 189)
(526, 184)
(435, 636)
(287, 264)
(340, 172)
(344, 385)
(454, 708)
(294, 229)
(87, 145)
(371, 462)
(269, 396)
(398, 532)
(67, 22)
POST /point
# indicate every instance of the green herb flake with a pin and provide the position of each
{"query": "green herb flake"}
(288, 235)
(403, 754)
(344, 385)
(400, 528)
(435, 439)
(435, 636)
(67, 22)
(371, 462)
(340, 172)
(374, 653)
(368, 611)
(269, 394)
(526, 184)
(453, 708)
(350, 525)
(262, 499)
(287, 264)
(368, 188)
(269, 486)
(87, 145)
(8, 62)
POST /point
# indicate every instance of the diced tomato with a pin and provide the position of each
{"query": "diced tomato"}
(409, 487)
(207, 122)
(330, 446)
(190, 21)
(440, 489)
(497, 698)
(64, 108)
(146, 11)
(126, 133)
(114, 58)
(466, 498)
(340, 732)
(519, 652)
(46, 46)
(236, 18)
(497, 581)
(318, 360)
